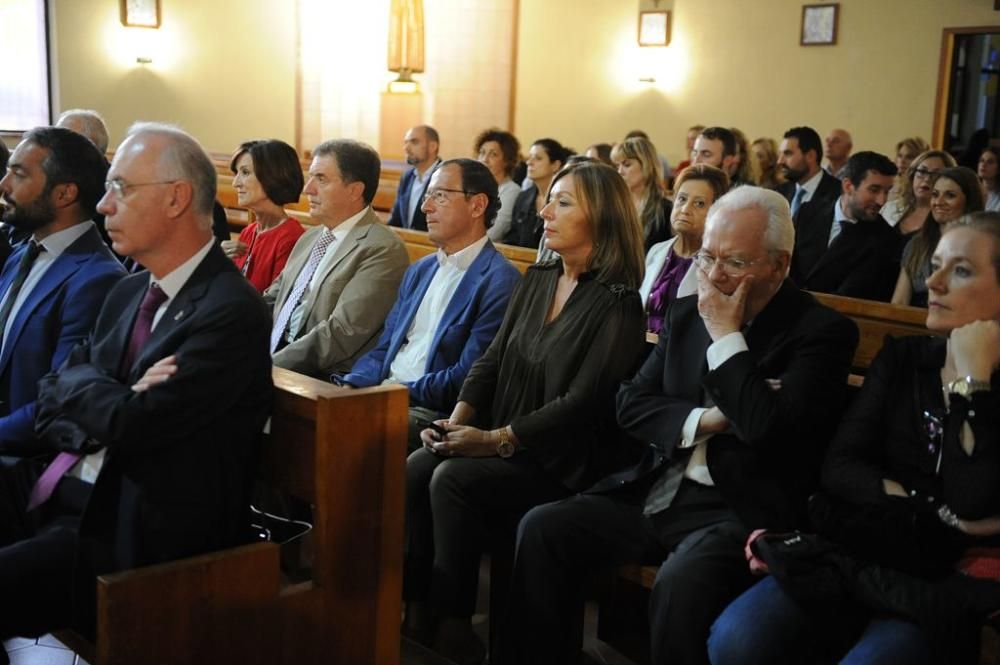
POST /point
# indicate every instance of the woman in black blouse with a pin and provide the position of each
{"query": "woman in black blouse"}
(911, 483)
(545, 158)
(535, 420)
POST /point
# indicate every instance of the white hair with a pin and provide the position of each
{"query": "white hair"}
(89, 123)
(780, 233)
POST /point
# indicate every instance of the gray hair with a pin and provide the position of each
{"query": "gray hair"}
(89, 123)
(183, 158)
(780, 233)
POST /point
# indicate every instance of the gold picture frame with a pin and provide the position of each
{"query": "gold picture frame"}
(819, 24)
(140, 13)
(654, 28)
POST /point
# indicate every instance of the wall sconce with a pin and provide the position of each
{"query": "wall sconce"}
(406, 43)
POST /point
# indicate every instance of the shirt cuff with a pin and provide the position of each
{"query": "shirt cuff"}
(689, 432)
(727, 347)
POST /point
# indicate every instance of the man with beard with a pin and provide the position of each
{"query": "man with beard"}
(807, 187)
(847, 248)
(52, 286)
(421, 147)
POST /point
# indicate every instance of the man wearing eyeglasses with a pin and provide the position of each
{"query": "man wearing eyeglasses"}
(736, 404)
(160, 407)
(450, 304)
(331, 300)
(54, 283)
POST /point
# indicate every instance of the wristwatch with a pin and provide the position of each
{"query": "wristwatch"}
(965, 386)
(505, 448)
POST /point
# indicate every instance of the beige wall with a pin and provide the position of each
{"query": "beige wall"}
(225, 69)
(732, 62)
(222, 69)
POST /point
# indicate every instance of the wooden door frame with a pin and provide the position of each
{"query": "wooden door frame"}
(948, 36)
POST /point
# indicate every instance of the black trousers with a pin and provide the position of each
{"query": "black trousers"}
(449, 503)
(37, 551)
(698, 540)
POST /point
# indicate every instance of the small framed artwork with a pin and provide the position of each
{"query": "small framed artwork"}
(654, 28)
(819, 25)
(140, 13)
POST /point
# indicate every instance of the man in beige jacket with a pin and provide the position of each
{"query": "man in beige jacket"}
(331, 300)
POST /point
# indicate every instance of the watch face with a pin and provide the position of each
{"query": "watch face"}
(505, 449)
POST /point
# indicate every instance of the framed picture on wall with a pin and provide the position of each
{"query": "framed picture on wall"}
(654, 28)
(819, 25)
(140, 13)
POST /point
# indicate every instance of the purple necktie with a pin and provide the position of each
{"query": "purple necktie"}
(141, 331)
(143, 326)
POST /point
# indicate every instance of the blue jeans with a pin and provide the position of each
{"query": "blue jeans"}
(765, 626)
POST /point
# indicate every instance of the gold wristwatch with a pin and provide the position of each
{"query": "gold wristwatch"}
(505, 448)
(965, 386)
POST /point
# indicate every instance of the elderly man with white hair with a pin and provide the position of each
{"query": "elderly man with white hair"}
(735, 405)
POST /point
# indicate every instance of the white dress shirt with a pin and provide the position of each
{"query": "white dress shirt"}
(410, 362)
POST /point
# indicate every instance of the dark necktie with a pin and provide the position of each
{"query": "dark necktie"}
(141, 331)
(31, 253)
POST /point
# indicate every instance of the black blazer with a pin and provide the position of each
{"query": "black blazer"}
(862, 261)
(419, 221)
(525, 224)
(180, 457)
(767, 466)
(829, 189)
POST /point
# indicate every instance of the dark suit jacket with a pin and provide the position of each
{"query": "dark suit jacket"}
(525, 224)
(398, 215)
(768, 464)
(180, 456)
(56, 315)
(862, 261)
(467, 326)
(829, 189)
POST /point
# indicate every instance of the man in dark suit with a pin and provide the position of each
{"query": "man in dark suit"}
(166, 398)
(450, 303)
(847, 248)
(807, 186)
(736, 404)
(421, 147)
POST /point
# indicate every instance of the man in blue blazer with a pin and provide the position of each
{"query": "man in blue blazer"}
(52, 285)
(421, 147)
(450, 304)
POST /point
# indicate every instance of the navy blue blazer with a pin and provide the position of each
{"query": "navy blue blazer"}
(57, 315)
(397, 216)
(469, 323)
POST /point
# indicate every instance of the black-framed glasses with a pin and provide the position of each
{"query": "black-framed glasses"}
(925, 173)
(440, 195)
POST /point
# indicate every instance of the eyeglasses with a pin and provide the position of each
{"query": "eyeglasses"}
(120, 188)
(730, 265)
(440, 195)
(924, 173)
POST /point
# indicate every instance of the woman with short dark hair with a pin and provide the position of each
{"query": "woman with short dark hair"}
(499, 151)
(267, 176)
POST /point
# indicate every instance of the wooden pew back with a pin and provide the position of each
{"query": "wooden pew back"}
(343, 451)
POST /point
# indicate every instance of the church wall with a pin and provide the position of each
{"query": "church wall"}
(734, 63)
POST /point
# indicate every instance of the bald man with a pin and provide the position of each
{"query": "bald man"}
(163, 405)
(838, 151)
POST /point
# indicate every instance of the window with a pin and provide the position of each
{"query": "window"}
(24, 88)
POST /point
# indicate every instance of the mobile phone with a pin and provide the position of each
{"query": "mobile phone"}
(434, 426)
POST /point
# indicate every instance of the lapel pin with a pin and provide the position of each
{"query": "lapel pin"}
(179, 315)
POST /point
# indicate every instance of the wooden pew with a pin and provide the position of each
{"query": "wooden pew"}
(342, 451)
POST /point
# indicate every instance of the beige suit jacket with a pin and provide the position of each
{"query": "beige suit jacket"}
(344, 314)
